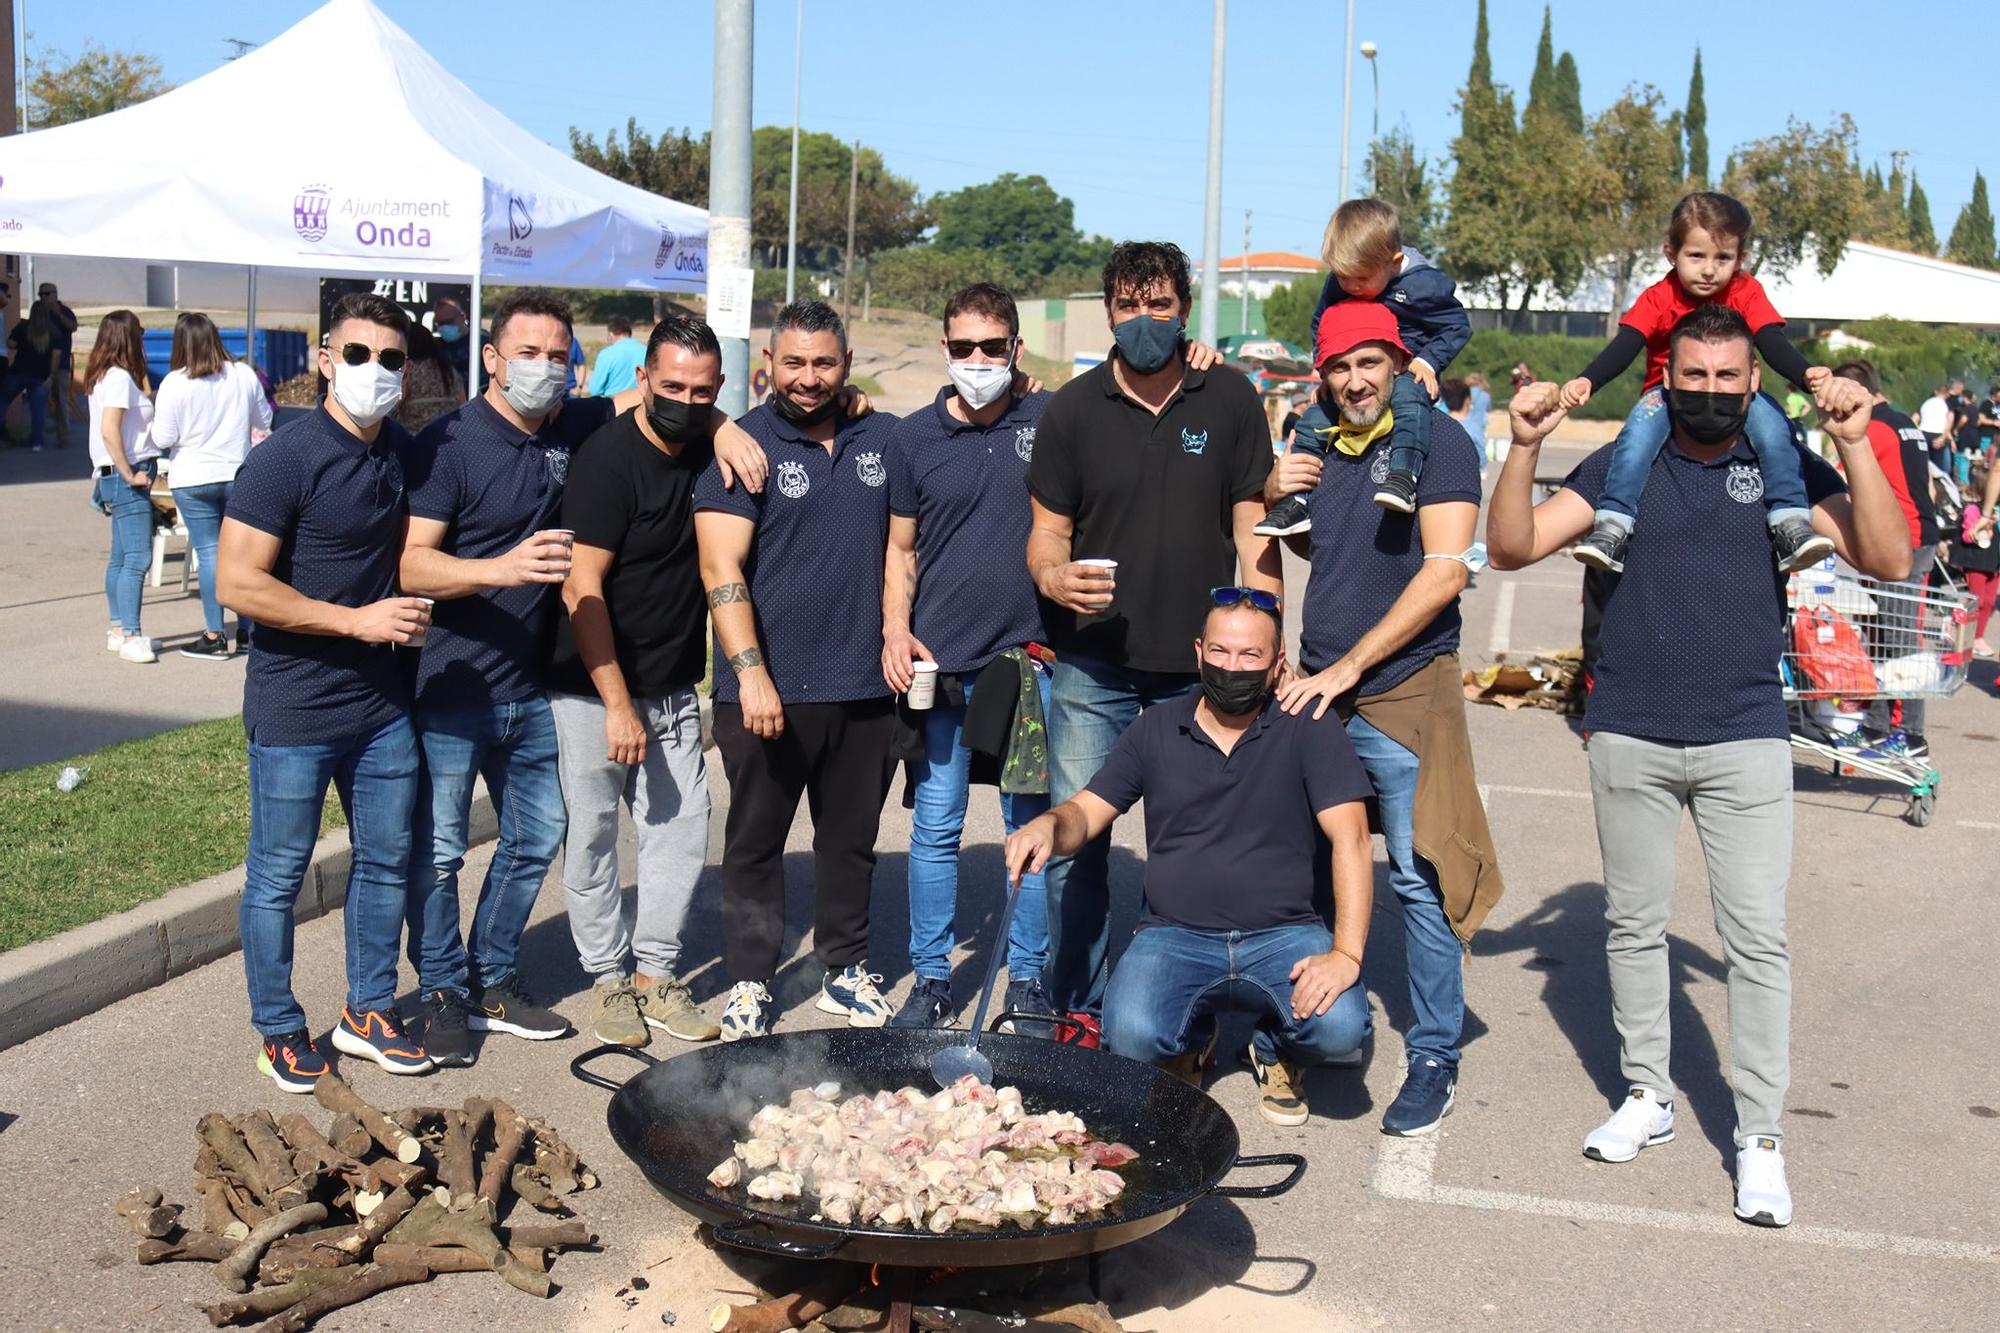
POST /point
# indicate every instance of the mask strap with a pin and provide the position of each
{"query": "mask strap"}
(1472, 557)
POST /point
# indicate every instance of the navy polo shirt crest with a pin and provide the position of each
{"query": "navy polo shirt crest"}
(815, 565)
(1363, 556)
(336, 505)
(1694, 628)
(967, 488)
(1231, 839)
(493, 485)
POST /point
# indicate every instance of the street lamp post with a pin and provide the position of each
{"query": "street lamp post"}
(1368, 52)
(792, 210)
(1347, 101)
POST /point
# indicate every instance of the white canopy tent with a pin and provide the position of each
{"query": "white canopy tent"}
(417, 177)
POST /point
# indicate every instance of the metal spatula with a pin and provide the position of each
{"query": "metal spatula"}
(953, 1063)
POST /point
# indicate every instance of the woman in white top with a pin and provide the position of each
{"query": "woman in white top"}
(121, 445)
(210, 410)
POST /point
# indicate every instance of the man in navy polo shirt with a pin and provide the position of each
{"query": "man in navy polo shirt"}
(1238, 793)
(1687, 712)
(1158, 467)
(1380, 644)
(794, 578)
(951, 596)
(308, 553)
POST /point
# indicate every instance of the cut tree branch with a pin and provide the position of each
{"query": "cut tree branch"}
(243, 1262)
(332, 1092)
(368, 1282)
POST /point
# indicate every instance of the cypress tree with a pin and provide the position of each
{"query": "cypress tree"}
(1972, 235)
(1542, 87)
(1695, 122)
(1923, 235)
(1479, 79)
(1569, 93)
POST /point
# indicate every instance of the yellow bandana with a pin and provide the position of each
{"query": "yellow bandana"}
(1354, 440)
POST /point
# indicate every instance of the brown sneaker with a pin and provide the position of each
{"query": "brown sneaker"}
(667, 1006)
(614, 1014)
(1281, 1089)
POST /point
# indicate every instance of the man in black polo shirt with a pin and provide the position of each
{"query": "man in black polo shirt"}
(1687, 711)
(794, 579)
(1236, 791)
(1159, 468)
(308, 552)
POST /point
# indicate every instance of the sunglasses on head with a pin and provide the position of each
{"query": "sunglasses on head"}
(358, 354)
(961, 348)
(1264, 601)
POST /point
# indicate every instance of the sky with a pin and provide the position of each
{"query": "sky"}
(1108, 99)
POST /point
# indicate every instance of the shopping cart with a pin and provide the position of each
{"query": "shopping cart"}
(1852, 641)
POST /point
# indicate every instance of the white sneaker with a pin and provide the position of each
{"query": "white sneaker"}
(852, 994)
(1763, 1199)
(114, 639)
(1644, 1121)
(747, 1012)
(138, 648)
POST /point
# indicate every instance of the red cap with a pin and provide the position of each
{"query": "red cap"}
(1347, 325)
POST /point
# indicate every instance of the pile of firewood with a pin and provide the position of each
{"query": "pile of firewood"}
(298, 1222)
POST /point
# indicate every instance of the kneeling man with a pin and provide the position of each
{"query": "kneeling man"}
(1236, 791)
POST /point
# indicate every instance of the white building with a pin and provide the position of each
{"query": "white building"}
(1264, 271)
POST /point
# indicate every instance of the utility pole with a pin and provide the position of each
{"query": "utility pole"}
(792, 216)
(1346, 101)
(1211, 231)
(10, 125)
(1900, 158)
(1243, 304)
(847, 279)
(729, 194)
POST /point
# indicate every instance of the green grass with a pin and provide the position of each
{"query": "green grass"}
(153, 815)
(868, 384)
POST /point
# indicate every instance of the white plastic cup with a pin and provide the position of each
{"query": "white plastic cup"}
(923, 685)
(1108, 566)
(568, 536)
(417, 639)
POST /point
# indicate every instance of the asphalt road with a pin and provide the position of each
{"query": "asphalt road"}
(1893, 1125)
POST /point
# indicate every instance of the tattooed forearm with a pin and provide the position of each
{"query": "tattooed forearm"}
(729, 592)
(746, 659)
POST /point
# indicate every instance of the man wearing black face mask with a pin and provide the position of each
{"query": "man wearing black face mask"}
(1687, 711)
(1235, 791)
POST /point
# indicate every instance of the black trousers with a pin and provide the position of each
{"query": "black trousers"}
(837, 756)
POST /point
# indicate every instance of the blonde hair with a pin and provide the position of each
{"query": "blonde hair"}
(1363, 236)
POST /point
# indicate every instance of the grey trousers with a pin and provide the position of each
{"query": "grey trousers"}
(668, 795)
(1740, 794)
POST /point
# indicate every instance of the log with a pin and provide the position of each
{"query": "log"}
(274, 1162)
(510, 1135)
(244, 1205)
(1088, 1316)
(532, 1191)
(243, 1262)
(235, 1158)
(781, 1313)
(455, 1164)
(280, 1266)
(562, 1236)
(347, 1135)
(429, 1223)
(368, 1282)
(331, 1159)
(557, 1161)
(450, 1259)
(192, 1247)
(143, 1212)
(216, 1216)
(380, 1222)
(332, 1092)
(267, 1301)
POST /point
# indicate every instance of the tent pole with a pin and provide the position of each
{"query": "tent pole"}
(472, 340)
(250, 320)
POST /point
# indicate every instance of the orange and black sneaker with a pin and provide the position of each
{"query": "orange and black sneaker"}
(292, 1061)
(375, 1035)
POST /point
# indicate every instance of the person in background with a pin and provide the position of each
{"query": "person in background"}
(62, 366)
(32, 352)
(1293, 411)
(127, 461)
(208, 407)
(618, 361)
(434, 383)
(309, 550)
(1481, 407)
(1934, 420)
(1455, 401)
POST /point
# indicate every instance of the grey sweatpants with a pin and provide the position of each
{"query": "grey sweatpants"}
(1740, 794)
(668, 795)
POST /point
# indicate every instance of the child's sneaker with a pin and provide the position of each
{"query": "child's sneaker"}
(1796, 545)
(375, 1035)
(292, 1061)
(747, 1012)
(1398, 491)
(1287, 518)
(1604, 548)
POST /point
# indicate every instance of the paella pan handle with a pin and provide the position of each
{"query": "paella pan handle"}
(749, 1234)
(1291, 1159)
(1053, 1020)
(597, 1080)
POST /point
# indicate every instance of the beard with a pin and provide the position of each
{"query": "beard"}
(1363, 418)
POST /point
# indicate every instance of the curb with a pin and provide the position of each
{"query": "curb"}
(57, 981)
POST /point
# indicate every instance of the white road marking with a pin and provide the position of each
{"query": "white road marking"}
(1979, 824)
(1503, 622)
(1486, 789)
(1404, 1169)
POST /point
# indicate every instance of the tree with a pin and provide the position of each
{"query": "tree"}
(1542, 84)
(1479, 79)
(1020, 221)
(1396, 175)
(1288, 310)
(1804, 192)
(1883, 219)
(1481, 233)
(1923, 233)
(1694, 121)
(1972, 235)
(62, 91)
(1568, 96)
(1639, 154)
(674, 165)
(1556, 245)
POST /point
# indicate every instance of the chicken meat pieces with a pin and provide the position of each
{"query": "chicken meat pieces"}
(968, 1156)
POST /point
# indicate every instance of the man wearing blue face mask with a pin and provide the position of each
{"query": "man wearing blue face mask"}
(1146, 484)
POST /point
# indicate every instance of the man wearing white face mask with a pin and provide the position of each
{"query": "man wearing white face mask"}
(958, 504)
(308, 553)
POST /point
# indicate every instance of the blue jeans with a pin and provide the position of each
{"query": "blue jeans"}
(1409, 436)
(1090, 705)
(1433, 954)
(943, 789)
(1639, 443)
(38, 403)
(1172, 980)
(131, 513)
(376, 775)
(201, 509)
(513, 746)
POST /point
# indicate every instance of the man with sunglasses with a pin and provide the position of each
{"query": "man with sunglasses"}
(308, 553)
(1238, 796)
(1146, 483)
(958, 503)
(1380, 648)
